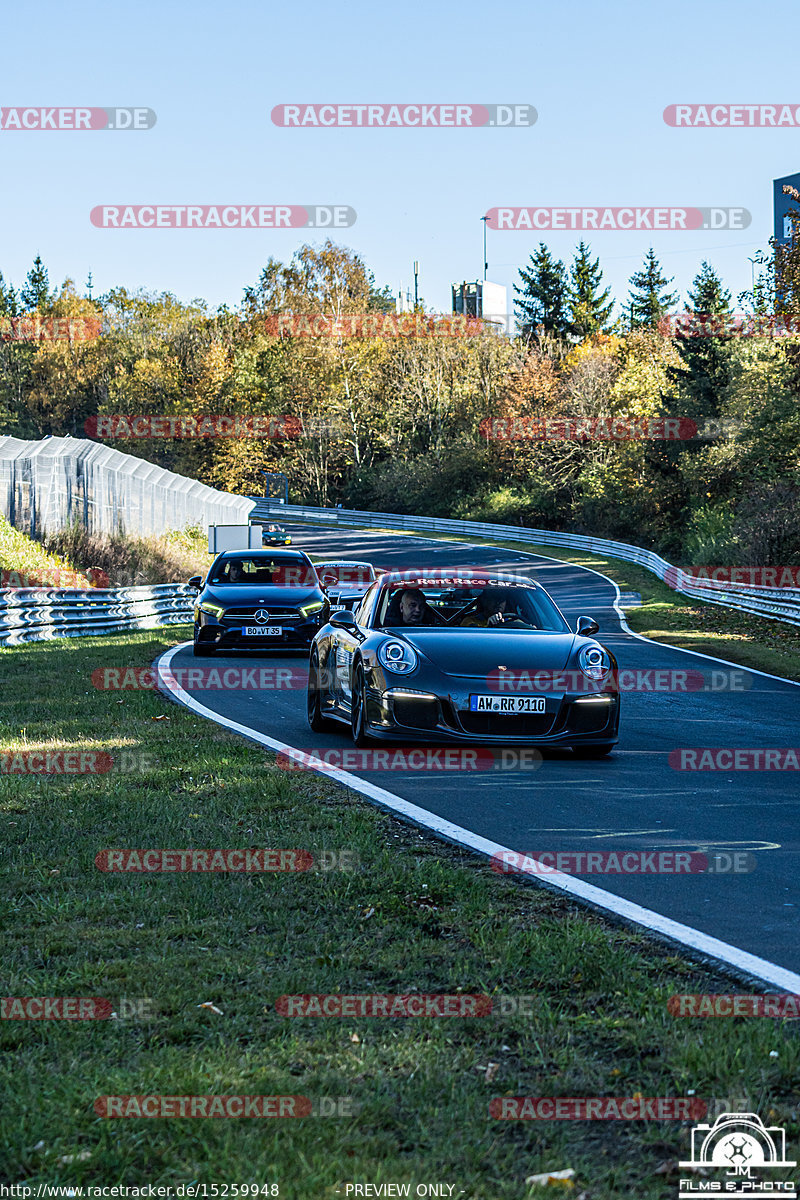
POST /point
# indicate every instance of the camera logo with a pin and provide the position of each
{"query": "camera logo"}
(739, 1142)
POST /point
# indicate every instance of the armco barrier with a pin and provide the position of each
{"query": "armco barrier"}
(776, 604)
(40, 614)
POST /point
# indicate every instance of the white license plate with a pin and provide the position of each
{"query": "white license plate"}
(507, 704)
(262, 631)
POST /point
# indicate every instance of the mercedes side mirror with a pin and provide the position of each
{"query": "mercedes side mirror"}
(587, 627)
(196, 582)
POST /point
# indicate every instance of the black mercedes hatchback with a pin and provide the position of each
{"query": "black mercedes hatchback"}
(256, 600)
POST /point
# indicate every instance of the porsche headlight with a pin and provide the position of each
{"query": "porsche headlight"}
(213, 610)
(398, 657)
(594, 661)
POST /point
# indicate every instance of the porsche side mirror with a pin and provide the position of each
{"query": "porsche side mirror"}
(587, 627)
(196, 582)
(344, 619)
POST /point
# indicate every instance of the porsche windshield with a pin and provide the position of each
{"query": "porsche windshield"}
(497, 606)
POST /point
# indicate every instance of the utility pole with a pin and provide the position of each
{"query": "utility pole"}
(752, 262)
(416, 285)
(485, 263)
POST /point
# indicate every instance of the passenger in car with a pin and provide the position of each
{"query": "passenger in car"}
(494, 607)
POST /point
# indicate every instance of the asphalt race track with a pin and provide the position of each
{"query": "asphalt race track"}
(633, 800)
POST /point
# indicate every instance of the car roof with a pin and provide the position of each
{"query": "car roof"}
(260, 552)
(343, 562)
(453, 577)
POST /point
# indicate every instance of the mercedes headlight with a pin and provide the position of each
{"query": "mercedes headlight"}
(213, 610)
(398, 657)
(308, 610)
(594, 661)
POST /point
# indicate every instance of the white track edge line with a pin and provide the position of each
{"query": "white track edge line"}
(685, 935)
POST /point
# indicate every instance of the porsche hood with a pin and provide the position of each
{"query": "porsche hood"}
(488, 649)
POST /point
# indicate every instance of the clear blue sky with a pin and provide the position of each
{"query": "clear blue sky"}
(599, 75)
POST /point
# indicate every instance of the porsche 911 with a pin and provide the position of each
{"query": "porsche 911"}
(448, 657)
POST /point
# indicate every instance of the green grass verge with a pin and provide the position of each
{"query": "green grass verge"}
(31, 564)
(417, 915)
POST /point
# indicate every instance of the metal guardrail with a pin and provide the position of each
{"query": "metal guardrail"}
(41, 614)
(776, 604)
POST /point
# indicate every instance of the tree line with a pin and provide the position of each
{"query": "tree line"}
(400, 423)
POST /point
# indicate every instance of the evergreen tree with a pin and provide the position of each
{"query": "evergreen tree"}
(9, 304)
(36, 290)
(704, 374)
(589, 309)
(708, 294)
(543, 296)
(649, 299)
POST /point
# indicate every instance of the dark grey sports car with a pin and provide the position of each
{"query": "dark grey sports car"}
(258, 600)
(450, 657)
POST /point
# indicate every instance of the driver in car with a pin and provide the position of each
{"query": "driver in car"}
(494, 608)
(411, 608)
(236, 573)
